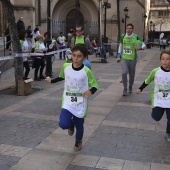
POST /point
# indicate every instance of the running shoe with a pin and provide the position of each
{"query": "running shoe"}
(71, 131)
(167, 137)
(78, 145)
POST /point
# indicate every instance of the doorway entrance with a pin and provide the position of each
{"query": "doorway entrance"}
(71, 20)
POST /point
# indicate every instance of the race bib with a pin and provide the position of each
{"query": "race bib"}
(164, 95)
(127, 51)
(73, 98)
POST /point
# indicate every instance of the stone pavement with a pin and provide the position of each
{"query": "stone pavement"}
(119, 131)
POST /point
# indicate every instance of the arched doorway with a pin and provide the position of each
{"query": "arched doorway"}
(71, 20)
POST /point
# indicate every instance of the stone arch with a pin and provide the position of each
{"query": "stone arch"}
(71, 19)
(60, 10)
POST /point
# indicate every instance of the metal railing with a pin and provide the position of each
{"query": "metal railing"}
(3, 46)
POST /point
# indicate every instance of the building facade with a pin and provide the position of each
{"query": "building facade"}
(64, 13)
(159, 19)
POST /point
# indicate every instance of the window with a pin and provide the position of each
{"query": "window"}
(163, 13)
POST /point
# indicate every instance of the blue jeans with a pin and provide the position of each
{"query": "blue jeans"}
(68, 120)
(158, 112)
(62, 47)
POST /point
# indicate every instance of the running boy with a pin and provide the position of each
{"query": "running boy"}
(160, 92)
(78, 79)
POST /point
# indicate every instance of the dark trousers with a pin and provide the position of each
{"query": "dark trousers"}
(27, 68)
(64, 52)
(39, 64)
(48, 66)
(68, 120)
(158, 112)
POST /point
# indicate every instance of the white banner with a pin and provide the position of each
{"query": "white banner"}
(31, 54)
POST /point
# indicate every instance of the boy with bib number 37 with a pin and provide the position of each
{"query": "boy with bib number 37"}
(80, 84)
(160, 92)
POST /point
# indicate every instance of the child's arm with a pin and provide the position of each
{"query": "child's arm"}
(88, 93)
(49, 80)
(140, 89)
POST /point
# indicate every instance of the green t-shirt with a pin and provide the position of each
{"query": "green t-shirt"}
(128, 43)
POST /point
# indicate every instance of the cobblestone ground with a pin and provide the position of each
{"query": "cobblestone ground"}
(119, 131)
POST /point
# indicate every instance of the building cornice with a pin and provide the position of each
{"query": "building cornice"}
(20, 7)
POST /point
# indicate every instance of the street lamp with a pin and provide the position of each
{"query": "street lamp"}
(126, 16)
(105, 8)
(145, 16)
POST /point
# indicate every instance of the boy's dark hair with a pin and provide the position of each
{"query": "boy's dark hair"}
(130, 25)
(61, 32)
(82, 48)
(164, 52)
(22, 34)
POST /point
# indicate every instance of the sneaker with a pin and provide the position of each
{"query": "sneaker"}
(167, 137)
(71, 131)
(78, 145)
(130, 89)
(124, 92)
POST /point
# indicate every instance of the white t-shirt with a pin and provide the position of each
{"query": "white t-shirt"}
(62, 40)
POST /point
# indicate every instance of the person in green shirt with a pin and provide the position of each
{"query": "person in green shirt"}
(127, 54)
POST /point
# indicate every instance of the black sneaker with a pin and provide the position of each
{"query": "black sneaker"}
(78, 145)
(130, 89)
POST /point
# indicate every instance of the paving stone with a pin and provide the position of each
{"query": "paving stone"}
(110, 163)
(7, 161)
(155, 166)
(19, 131)
(60, 143)
(131, 165)
(42, 107)
(73, 167)
(43, 160)
(134, 114)
(85, 160)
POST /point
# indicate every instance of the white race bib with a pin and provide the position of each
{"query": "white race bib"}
(164, 95)
(73, 98)
(127, 51)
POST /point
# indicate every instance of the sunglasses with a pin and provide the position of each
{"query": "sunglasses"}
(78, 30)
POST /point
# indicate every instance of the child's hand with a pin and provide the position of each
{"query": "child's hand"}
(48, 79)
(87, 94)
(138, 91)
(137, 48)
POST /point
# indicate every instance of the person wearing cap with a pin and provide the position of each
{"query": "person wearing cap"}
(127, 54)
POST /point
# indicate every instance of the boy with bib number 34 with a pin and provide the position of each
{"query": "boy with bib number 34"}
(160, 92)
(80, 84)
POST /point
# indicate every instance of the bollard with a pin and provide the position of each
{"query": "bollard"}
(24, 87)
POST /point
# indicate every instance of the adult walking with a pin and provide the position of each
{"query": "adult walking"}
(29, 35)
(61, 40)
(20, 24)
(127, 54)
(25, 49)
(39, 60)
(80, 39)
(36, 32)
